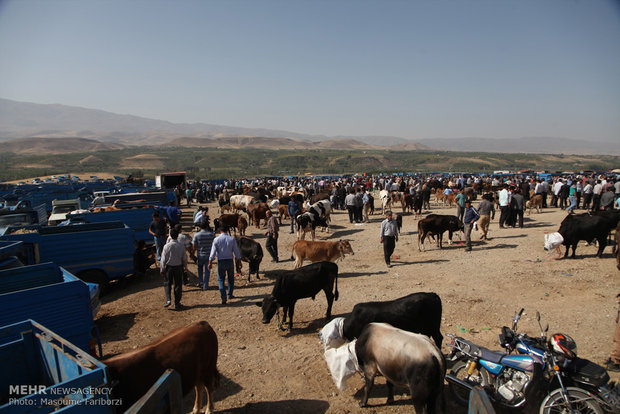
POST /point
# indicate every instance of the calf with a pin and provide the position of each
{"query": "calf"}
(399, 221)
(283, 213)
(398, 196)
(242, 225)
(318, 251)
(309, 220)
(251, 252)
(190, 350)
(534, 202)
(229, 220)
(576, 227)
(418, 312)
(305, 282)
(418, 202)
(405, 359)
(437, 224)
(386, 201)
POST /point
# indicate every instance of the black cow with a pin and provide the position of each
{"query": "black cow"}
(399, 221)
(298, 197)
(437, 224)
(251, 252)
(419, 313)
(304, 282)
(576, 227)
(418, 202)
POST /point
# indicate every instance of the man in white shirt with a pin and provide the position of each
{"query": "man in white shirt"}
(504, 206)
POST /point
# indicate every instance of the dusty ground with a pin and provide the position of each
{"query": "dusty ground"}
(266, 371)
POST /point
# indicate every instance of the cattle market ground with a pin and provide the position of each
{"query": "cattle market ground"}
(267, 371)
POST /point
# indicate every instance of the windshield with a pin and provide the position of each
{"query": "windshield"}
(14, 220)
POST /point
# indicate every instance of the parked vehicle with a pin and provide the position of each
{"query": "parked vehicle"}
(57, 374)
(533, 381)
(23, 216)
(50, 295)
(60, 209)
(95, 252)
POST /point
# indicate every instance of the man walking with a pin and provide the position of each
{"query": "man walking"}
(486, 209)
(460, 205)
(504, 206)
(469, 217)
(272, 236)
(225, 247)
(158, 230)
(173, 264)
(388, 236)
(293, 211)
(201, 248)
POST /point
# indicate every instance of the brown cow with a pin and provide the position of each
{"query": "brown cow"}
(190, 350)
(535, 202)
(319, 251)
(242, 224)
(283, 213)
(258, 212)
(229, 220)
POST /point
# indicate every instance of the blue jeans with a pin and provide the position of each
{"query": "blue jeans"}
(202, 263)
(573, 203)
(159, 245)
(225, 267)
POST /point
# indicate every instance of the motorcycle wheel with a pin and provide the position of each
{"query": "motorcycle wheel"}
(461, 394)
(581, 403)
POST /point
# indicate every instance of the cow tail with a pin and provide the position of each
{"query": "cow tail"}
(336, 286)
(293, 253)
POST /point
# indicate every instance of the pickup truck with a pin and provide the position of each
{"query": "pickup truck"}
(23, 216)
(139, 219)
(54, 297)
(95, 252)
(43, 373)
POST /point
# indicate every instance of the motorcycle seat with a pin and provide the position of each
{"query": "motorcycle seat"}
(482, 353)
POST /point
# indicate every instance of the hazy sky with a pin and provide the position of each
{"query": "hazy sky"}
(414, 69)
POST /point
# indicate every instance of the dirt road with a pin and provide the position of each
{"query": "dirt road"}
(267, 371)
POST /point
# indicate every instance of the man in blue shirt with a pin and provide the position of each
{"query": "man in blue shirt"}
(469, 217)
(174, 214)
(224, 247)
(293, 210)
(201, 247)
(159, 231)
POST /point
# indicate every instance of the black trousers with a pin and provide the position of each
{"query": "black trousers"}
(174, 275)
(351, 210)
(272, 246)
(504, 215)
(389, 244)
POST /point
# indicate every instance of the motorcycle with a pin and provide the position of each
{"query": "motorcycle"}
(531, 380)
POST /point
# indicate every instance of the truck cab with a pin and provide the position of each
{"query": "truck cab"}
(60, 209)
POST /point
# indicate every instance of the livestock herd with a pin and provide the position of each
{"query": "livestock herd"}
(384, 330)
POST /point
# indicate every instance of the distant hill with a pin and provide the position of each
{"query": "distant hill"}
(25, 120)
(530, 145)
(38, 145)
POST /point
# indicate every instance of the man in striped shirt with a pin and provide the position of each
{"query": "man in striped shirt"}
(201, 248)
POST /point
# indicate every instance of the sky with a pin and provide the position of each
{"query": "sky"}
(413, 69)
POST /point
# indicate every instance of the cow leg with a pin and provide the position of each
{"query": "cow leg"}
(390, 396)
(198, 401)
(209, 402)
(291, 310)
(330, 301)
(369, 380)
(449, 237)
(440, 240)
(574, 248)
(602, 242)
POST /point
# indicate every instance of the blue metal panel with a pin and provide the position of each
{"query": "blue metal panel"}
(54, 298)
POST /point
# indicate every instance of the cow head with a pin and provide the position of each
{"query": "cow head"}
(270, 306)
(345, 247)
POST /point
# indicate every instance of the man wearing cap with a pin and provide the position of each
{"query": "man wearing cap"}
(225, 247)
(388, 236)
(469, 217)
(173, 264)
(272, 236)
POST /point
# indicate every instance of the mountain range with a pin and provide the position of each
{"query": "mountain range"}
(23, 125)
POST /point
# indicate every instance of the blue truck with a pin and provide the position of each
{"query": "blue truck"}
(94, 252)
(43, 373)
(54, 297)
(138, 219)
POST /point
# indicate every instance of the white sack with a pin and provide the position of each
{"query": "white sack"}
(342, 363)
(331, 335)
(553, 240)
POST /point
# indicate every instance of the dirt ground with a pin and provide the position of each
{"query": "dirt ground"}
(267, 371)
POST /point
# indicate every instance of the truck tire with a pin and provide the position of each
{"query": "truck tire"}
(98, 277)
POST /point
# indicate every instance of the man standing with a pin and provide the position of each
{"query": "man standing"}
(460, 205)
(224, 247)
(518, 203)
(596, 195)
(388, 236)
(158, 229)
(486, 209)
(350, 203)
(174, 214)
(469, 217)
(366, 200)
(504, 206)
(173, 263)
(272, 236)
(587, 195)
(201, 248)
(293, 211)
